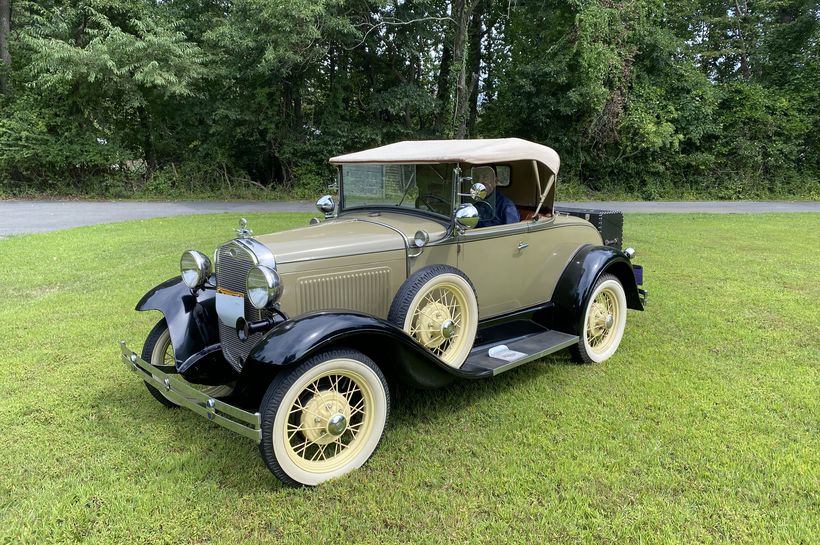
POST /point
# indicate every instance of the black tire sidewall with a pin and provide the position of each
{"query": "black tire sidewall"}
(147, 351)
(579, 350)
(281, 384)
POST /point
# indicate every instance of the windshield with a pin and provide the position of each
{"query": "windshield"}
(418, 187)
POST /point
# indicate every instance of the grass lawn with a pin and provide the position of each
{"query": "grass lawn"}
(704, 427)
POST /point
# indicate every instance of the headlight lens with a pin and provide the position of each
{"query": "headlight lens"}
(195, 268)
(263, 286)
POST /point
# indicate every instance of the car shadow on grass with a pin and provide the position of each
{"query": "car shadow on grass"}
(415, 407)
(178, 444)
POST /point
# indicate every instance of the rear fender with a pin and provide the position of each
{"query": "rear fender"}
(191, 317)
(293, 341)
(578, 280)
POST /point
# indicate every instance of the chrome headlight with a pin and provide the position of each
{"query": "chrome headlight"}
(263, 286)
(195, 268)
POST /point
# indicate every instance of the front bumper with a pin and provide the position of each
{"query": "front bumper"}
(183, 394)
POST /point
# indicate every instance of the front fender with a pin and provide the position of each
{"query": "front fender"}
(294, 341)
(578, 280)
(191, 317)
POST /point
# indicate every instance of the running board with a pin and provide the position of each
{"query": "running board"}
(493, 358)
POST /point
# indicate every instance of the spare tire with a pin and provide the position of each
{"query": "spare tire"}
(437, 306)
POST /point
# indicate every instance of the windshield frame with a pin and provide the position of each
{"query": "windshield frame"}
(395, 208)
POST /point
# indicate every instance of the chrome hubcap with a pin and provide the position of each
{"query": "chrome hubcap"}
(448, 329)
(325, 416)
(610, 319)
(337, 424)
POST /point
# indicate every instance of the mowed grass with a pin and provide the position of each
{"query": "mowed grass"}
(702, 429)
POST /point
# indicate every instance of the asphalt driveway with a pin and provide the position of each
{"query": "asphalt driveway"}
(19, 217)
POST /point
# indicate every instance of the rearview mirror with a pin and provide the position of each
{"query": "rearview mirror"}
(478, 191)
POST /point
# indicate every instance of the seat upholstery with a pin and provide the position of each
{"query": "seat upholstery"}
(527, 213)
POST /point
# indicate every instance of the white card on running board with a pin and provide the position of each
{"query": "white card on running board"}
(501, 352)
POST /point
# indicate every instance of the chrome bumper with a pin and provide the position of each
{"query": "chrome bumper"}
(181, 393)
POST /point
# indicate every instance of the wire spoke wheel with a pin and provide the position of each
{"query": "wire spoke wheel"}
(437, 307)
(604, 321)
(438, 321)
(324, 418)
(327, 420)
(159, 352)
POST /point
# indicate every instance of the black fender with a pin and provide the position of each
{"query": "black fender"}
(191, 317)
(578, 279)
(398, 355)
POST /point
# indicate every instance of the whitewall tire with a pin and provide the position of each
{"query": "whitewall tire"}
(437, 307)
(604, 321)
(324, 418)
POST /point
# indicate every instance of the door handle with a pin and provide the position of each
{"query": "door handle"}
(523, 246)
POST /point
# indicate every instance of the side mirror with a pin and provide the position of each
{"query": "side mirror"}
(326, 205)
(467, 216)
(478, 191)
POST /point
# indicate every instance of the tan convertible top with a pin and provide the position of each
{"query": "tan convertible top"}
(475, 152)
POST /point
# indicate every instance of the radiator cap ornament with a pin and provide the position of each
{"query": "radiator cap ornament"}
(243, 230)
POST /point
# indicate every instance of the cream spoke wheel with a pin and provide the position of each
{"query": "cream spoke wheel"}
(437, 307)
(324, 418)
(603, 322)
(159, 352)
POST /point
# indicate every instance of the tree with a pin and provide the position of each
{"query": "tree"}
(5, 32)
(651, 97)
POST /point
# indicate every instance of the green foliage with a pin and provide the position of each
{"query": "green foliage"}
(640, 97)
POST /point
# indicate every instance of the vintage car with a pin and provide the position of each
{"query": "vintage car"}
(296, 338)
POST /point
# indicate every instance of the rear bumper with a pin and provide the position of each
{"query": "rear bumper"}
(643, 294)
(180, 392)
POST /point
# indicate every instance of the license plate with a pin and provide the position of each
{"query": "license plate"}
(230, 306)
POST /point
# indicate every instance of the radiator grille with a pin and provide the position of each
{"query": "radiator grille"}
(365, 290)
(234, 261)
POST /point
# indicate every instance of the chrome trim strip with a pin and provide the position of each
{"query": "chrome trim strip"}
(233, 418)
(532, 357)
(523, 228)
(262, 253)
(404, 237)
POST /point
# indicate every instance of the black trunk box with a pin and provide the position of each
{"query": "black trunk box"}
(610, 223)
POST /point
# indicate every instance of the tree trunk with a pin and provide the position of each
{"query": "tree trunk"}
(5, 55)
(443, 83)
(474, 62)
(742, 14)
(461, 13)
(149, 150)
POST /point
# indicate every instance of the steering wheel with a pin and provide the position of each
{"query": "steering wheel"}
(425, 200)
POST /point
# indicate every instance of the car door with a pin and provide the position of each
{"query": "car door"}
(503, 266)
(553, 241)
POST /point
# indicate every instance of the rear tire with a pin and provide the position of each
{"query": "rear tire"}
(604, 321)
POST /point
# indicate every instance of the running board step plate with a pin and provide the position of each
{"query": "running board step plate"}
(519, 350)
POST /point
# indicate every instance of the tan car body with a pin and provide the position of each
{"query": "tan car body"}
(359, 260)
(294, 338)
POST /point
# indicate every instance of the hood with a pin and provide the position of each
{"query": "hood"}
(336, 238)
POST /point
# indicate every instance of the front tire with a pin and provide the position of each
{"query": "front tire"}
(158, 351)
(324, 418)
(604, 321)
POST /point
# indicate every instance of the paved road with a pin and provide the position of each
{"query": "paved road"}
(22, 217)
